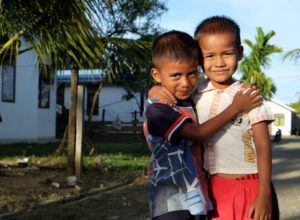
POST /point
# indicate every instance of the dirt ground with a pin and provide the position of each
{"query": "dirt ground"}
(35, 193)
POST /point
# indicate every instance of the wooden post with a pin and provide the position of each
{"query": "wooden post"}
(135, 116)
(72, 120)
(103, 116)
(134, 121)
(79, 130)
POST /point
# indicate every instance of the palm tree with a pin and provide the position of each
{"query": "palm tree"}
(76, 34)
(293, 55)
(259, 58)
(57, 30)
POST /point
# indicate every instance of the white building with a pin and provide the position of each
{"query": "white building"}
(27, 100)
(110, 103)
(285, 118)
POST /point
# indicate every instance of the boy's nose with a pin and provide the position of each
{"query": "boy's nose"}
(220, 61)
(184, 82)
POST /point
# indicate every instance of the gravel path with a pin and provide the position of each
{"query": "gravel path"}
(286, 176)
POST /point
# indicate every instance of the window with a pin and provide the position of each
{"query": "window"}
(45, 80)
(279, 120)
(8, 82)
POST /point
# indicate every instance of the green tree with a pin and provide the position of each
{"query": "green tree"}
(293, 55)
(252, 66)
(77, 34)
(123, 18)
(296, 106)
(139, 80)
(58, 31)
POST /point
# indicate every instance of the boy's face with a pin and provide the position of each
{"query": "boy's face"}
(220, 57)
(179, 78)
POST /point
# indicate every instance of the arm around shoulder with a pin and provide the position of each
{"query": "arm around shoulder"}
(242, 102)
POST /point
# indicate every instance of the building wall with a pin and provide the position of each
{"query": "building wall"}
(110, 100)
(279, 109)
(22, 120)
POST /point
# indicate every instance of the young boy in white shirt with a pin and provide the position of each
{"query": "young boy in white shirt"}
(176, 188)
(238, 157)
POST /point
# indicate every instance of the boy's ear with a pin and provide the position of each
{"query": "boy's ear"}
(155, 75)
(241, 52)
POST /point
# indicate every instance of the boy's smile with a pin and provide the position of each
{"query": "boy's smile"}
(220, 57)
(179, 78)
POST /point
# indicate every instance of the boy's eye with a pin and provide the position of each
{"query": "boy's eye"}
(175, 75)
(208, 56)
(228, 53)
(193, 74)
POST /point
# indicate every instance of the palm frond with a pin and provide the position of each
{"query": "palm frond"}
(293, 55)
(259, 59)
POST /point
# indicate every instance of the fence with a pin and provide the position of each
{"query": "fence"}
(106, 128)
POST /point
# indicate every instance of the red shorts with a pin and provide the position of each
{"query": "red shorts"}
(232, 197)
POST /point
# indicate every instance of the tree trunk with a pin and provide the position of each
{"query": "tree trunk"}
(96, 95)
(72, 121)
(92, 149)
(79, 130)
(61, 146)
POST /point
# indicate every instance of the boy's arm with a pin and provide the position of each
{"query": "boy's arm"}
(261, 207)
(165, 96)
(242, 102)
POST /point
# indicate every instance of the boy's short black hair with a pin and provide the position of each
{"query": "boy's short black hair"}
(174, 46)
(218, 24)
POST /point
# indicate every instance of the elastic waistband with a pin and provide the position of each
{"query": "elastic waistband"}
(252, 176)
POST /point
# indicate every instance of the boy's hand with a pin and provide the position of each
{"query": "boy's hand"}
(246, 100)
(261, 208)
(162, 94)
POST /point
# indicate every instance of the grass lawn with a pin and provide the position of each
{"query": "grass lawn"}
(130, 154)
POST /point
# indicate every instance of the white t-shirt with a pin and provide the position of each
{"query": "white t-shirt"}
(231, 150)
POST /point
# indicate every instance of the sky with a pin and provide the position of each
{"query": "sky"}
(281, 16)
